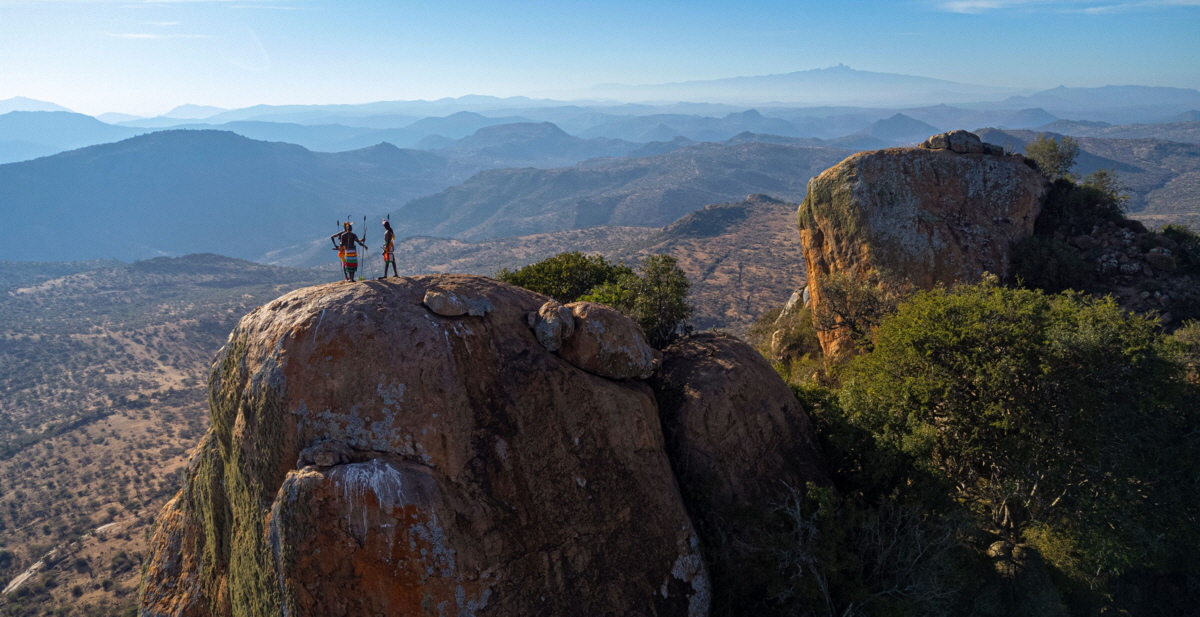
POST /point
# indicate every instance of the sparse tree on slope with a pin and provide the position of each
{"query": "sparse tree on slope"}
(1054, 157)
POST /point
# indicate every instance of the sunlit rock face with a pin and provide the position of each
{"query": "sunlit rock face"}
(372, 456)
(943, 213)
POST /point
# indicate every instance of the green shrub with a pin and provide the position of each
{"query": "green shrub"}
(1072, 209)
(789, 341)
(1187, 246)
(1188, 339)
(656, 299)
(885, 540)
(856, 305)
(1060, 413)
(1054, 157)
(566, 276)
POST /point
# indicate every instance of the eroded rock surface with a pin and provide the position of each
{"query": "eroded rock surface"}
(607, 343)
(963, 142)
(741, 447)
(450, 466)
(916, 216)
(732, 426)
(551, 324)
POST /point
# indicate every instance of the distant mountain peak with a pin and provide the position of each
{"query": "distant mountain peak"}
(835, 85)
(194, 112)
(900, 128)
(21, 103)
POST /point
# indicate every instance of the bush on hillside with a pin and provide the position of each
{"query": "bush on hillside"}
(788, 338)
(655, 296)
(1054, 157)
(1049, 264)
(1187, 246)
(566, 276)
(1187, 338)
(1054, 417)
(856, 306)
(1072, 208)
(656, 299)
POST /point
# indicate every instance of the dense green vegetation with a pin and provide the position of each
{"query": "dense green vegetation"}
(655, 296)
(987, 422)
(566, 276)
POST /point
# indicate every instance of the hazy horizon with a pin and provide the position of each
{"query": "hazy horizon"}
(148, 57)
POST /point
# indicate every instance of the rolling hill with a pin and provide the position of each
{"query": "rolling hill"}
(1115, 104)
(644, 192)
(21, 103)
(1186, 131)
(29, 134)
(899, 129)
(528, 144)
(742, 259)
(175, 192)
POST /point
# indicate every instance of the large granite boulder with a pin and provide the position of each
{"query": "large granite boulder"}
(607, 343)
(742, 447)
(369, 455)
(732, 426)
(916, 217)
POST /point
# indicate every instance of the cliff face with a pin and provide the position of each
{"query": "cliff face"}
(370, 455)
(942, 213)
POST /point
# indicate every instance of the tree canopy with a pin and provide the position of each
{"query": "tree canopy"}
(1056, 417)
(655, 296)
(1055, 157)
(566, 276)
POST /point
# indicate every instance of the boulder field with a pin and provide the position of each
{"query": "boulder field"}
(942, 213)
(451, 445)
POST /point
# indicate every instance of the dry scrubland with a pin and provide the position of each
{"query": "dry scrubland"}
(103, 366)
(102, 376)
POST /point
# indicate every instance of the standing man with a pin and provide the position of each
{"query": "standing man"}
(389, 249)
(346, 244)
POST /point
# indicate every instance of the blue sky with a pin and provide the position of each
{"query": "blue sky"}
(130, 56)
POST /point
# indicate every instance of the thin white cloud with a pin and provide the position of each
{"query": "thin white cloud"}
(154, 37)
(983, 6)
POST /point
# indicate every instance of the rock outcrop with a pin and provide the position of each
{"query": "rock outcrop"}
(369, 455)
(741, 447)
(962, 142)
(939, 214)
(732, 426)
(551, 324)
(607, 343)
